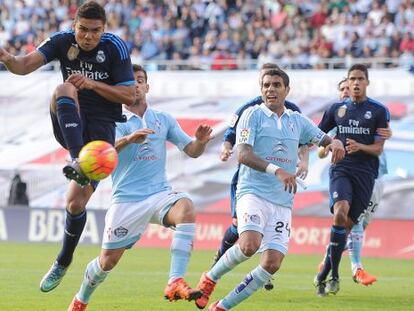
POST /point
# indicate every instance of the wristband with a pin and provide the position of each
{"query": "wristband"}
(271, 169)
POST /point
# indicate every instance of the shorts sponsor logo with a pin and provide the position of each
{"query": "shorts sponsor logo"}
(71, 125)
(255, 219)
(120, 232)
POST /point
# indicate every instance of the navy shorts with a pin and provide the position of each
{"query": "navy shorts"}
(233, 189)
(92, 129)
(352, 186)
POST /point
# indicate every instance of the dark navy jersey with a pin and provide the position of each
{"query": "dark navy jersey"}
(109, 63)
(230, 133)
(357, 121)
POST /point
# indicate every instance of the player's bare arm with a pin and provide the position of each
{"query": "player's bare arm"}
(374, 149)
(21, 65)
(303, 164)
(385, 133)
(124, 94)
(198, 145)
(226, 151)
(247, 157)
(333, 145)
(138, 137)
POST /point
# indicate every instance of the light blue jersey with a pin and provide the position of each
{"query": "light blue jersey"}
(275, 140)
(141, 168)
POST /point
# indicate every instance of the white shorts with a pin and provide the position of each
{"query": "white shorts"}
(126, 222)
(271, 220)
(377, 193)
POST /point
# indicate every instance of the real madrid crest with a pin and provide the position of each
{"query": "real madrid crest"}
(100, 56)
(368, 115)
(342, 111)
(73, 52)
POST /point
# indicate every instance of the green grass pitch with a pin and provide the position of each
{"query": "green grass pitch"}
(137, 283)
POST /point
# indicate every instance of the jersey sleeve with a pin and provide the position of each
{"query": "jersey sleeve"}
(50, 47)
(382, 119)
(246, 128)
(176, 135)
(121, 65)
(328, 120)
(121, 130)
(310, 133)
(230, 133)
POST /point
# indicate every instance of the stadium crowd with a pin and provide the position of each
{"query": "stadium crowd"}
(298, 34)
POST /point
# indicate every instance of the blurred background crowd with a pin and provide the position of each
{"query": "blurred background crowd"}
(231, 34)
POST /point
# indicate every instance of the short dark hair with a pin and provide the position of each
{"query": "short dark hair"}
(91, 10)
(136, 68)
(342, 81)
(269, 66)
(276, 72)
(360, 67)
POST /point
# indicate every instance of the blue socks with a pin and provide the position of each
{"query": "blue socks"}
(251, 283)
(93, 276)
(337, 245)
(73, 229)
(227, 262)
(355, 240)
(70, 124)
(229, 239)
(181, 247)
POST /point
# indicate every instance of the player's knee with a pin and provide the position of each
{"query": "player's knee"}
(75, 206)
(66, 89)
(271, 266)
(108, 262)
(249, 248)
(187, 212)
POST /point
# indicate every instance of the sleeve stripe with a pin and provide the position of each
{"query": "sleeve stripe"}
(244, 121)
(120, 45)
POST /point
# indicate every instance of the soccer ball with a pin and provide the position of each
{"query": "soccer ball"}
(98, 159)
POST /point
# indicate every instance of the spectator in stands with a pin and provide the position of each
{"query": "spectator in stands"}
(18, 194)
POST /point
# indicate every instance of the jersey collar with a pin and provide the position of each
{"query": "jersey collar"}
(269, 112)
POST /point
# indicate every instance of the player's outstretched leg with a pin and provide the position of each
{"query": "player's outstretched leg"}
(355, 241)
(208, 280)
(229, 239)
(53, 277)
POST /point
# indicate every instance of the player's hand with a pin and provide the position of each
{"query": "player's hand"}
(337, 149)
(302, 169)
(139, 136)
(385, 132)
(287, 179)
(5, 56)
(226, 151)
(81, 82)
(203, 134)
(352, 146)
(323, 152)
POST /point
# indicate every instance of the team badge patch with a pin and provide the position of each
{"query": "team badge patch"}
(342, 111)
(100, 56)
(244, 135)
(73, 52)
(120, 232)
(234, 120)
(368, 115)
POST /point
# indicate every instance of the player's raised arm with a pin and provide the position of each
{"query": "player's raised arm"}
(137, 137)
(21, 65)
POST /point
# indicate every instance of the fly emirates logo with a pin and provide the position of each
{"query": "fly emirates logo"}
(86, 69)
(353, 128)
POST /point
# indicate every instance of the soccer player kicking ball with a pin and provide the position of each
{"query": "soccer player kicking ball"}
(268, 136)
(356, 236)
(357, 121)
(96, 70)
(141, 194)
